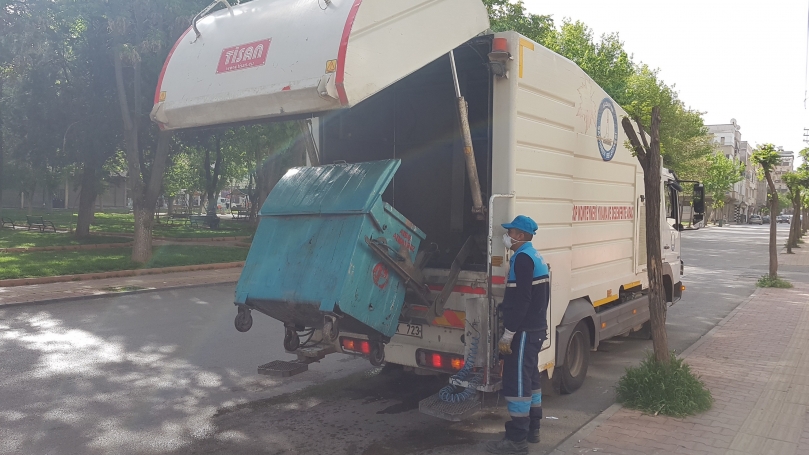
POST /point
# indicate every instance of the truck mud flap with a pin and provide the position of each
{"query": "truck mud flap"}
(622, 318)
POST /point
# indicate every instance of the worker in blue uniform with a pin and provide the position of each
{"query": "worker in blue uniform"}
(524, 310)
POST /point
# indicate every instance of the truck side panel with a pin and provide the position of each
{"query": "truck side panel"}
(571, 173)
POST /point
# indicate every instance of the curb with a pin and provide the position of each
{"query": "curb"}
(568, 445)
(98, 246)
(117, 274)
(110, 294)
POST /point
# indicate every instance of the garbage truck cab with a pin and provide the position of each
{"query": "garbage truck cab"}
(426, 131)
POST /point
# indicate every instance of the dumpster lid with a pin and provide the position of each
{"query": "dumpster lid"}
(281, 58)
(330, 189)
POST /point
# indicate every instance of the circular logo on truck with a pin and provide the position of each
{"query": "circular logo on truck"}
(607, 129)
(380, 275)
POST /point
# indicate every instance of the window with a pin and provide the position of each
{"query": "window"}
(722, 141)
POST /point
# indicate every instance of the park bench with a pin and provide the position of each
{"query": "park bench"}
(205, 220)
(38, 222)
(181, 218)
(7, 222)
(239, 213)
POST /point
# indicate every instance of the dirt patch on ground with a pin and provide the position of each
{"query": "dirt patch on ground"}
(374, 412)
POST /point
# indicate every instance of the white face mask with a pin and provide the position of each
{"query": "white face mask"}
(508, 241)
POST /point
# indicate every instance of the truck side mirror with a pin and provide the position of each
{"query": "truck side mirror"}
(699, 198)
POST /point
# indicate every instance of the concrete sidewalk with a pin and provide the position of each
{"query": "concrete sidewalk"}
(74, 290)
(756, 364)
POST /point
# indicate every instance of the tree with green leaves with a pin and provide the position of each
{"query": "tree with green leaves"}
(505, 15)
(179, 177)
(141, 33)
(767, 157)
(796, 182)
(722, 173)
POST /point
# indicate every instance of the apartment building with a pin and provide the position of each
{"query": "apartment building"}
(727, 138)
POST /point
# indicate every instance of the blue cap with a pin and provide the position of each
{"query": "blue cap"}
(522, 223)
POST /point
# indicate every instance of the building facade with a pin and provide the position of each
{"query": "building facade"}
(727, 138)
(750, 185)
(786, 165)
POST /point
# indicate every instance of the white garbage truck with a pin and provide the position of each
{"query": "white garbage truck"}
(459, 129)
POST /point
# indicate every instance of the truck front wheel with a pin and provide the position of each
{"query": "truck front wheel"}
(577, 358)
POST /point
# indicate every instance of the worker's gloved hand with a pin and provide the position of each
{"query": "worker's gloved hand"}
(505, 342)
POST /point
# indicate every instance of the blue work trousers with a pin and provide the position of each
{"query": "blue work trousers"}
(522, 386)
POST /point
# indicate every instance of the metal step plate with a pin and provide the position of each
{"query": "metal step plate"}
(454, 412)
(282, 368)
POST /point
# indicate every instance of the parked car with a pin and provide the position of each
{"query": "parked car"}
(755, 219)
(766, 219)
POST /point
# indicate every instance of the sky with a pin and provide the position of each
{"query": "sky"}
(730, 59)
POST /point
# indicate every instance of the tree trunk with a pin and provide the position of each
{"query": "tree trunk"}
(170, 205)
(795, 224)
(144, 194)
(212, 179)
(87, 198)
(650, 160)
(805, 212)
(773, 228)
(32, 190)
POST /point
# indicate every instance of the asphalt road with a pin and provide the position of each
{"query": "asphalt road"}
(166, 372)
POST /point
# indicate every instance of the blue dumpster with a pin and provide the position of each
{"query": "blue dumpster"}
(309, 257)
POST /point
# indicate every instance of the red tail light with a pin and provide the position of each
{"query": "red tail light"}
(356, 346)
(439, 360)
(348, 344)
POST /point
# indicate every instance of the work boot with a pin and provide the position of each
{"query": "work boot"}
(533, 436)
(507, 446)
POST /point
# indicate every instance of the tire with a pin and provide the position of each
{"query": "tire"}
(244, 320)
(291, 340)
(377, 356)
(330, 330)
(577, 359)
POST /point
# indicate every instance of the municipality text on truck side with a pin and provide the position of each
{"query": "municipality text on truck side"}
(424, 131)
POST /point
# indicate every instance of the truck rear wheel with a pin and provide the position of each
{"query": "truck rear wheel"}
(577, 359)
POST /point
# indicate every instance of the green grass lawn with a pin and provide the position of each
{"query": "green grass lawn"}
(31, 239)
(37, 264)
(119, 222)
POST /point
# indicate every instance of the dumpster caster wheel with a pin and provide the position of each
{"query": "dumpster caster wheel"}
(244, 320)
(377, 356)
(291, 340)
(330, 329)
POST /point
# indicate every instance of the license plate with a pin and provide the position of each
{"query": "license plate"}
(410, 330)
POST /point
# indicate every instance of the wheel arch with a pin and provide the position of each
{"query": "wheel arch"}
(577, 310)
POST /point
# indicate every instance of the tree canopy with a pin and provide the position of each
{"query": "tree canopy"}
(77, 80)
